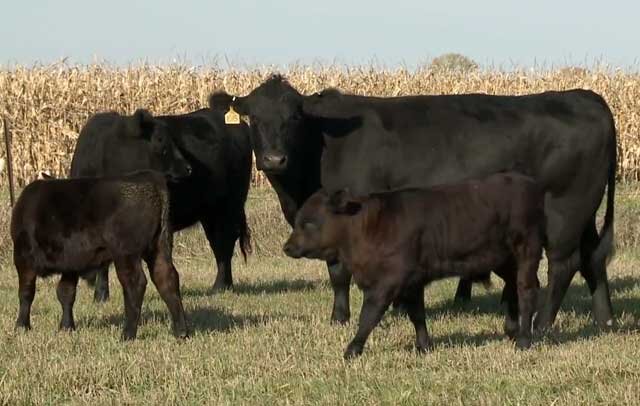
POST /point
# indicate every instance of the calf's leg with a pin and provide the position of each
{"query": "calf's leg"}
(374, 305)
(527, 298)
(134, 284)
(26, 293)
(511, 322)
(166, 279)
(413, 302)
(66, 293)
(340, 278)
(508, 273)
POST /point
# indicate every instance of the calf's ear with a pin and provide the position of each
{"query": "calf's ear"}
(341, 202)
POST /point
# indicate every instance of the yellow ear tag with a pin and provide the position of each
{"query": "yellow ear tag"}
(231, 116)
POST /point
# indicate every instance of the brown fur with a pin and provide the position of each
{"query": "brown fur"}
(397, 242)
(70, 226)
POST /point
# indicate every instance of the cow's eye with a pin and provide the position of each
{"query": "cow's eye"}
(309, 226)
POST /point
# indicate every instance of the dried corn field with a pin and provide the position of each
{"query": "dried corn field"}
(46, 106)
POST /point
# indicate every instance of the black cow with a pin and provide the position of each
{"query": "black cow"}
(395, 243)
(70, 225)
(214, 192)
(565, 140)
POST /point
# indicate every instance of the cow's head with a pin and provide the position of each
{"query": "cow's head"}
(163, 154)
(321, 225)
(274, 110)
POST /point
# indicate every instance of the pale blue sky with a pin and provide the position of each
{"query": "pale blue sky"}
(390, 33)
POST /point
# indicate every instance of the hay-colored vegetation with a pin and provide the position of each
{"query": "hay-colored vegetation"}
(47, 105)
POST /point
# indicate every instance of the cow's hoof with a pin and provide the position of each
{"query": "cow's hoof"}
(353, 351)
(607, 324)
(67, 327)
(424, 347)
(340, 320)
(511, 328)
(523, 343)
(181, 334)
(128, 335)
(20, 326)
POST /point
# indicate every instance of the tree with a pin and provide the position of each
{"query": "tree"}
(454, 62)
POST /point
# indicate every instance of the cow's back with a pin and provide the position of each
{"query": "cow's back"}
(421, 141)
(88, 155)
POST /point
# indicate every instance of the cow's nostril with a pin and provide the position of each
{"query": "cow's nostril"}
(275, 161)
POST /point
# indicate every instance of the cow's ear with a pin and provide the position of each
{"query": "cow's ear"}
(329, 114)
(143, 123)
(341, 202)
(222, 101)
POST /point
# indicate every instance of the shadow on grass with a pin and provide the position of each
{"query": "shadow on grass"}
(202, 319)
(258, 288)
(577, 300)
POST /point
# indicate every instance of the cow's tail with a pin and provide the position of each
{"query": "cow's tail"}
(245, 236)
(605, 249)
(166, 234)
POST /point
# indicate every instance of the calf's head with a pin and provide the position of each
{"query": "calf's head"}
(321, 225)
(163, 154)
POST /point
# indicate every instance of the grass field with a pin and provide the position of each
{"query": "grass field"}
(270, 342)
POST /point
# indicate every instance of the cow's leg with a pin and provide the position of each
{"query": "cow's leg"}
(134, 283)
(101, 290)
(463, 292)
(376, 302)
(66, 293)
(413, 301)
(222, 240)
(595, 275)
(166, 279)
(527, 297)
(561, 273)
(26, 293)
(340, 278)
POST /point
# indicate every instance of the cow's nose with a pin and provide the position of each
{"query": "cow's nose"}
(275, 161)
(290, 250)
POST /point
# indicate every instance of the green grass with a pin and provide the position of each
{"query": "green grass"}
(270, 341)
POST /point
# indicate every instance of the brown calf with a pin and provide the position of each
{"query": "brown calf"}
(70, 226)
(397, 242)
